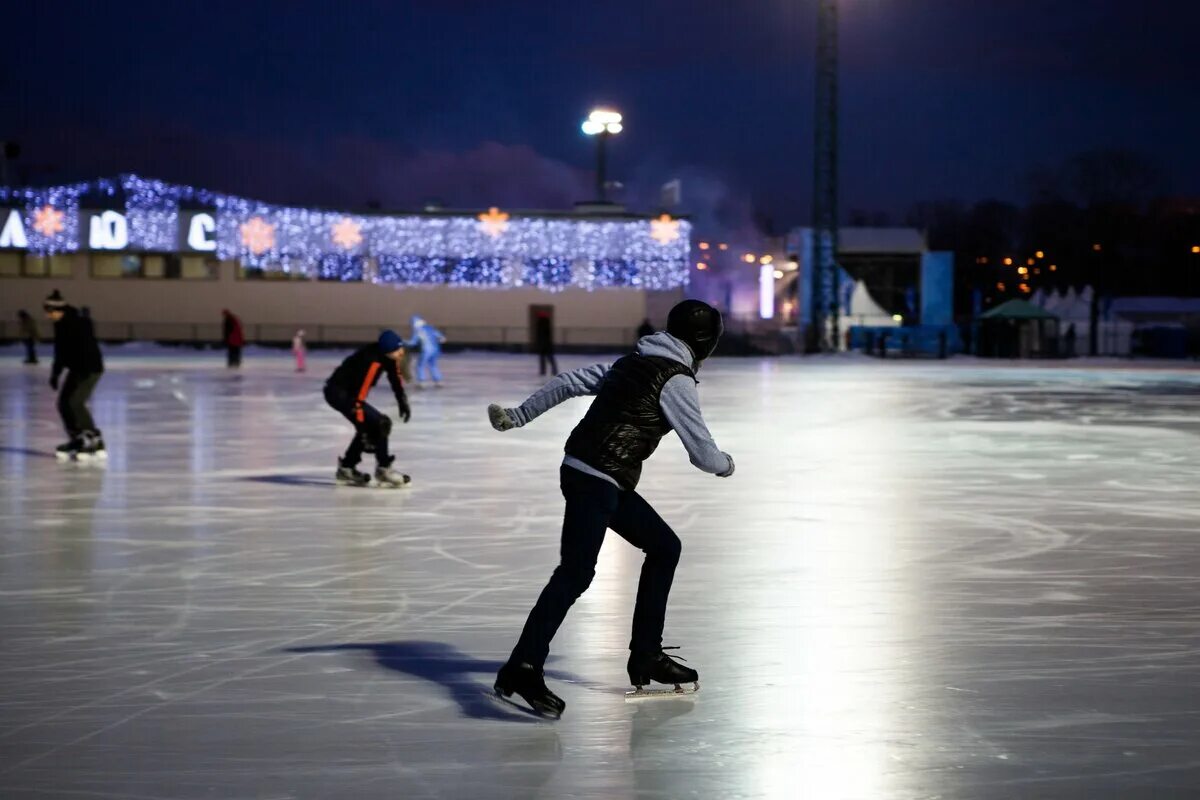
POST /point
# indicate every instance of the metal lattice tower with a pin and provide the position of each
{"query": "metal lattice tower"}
(825, 206)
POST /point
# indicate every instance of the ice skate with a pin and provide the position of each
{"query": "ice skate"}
(658, 667)
(349, 476)
(388, 478)
(92, 446)
(69, 451)
(529, 683)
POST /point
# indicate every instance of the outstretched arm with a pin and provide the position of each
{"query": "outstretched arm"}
(576, 383)
(680, 403)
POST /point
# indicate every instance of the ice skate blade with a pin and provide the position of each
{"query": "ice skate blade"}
(679, 690)
(511, 702)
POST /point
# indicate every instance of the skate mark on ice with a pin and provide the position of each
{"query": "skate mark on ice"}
(444, 665)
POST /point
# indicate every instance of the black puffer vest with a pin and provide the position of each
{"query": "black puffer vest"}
(625, 423)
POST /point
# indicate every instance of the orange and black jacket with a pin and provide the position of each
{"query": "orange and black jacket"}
(360, 371)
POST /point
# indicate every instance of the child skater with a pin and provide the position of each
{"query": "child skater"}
(428, 340)
(299, 350)
(639, 399)
(347, 389)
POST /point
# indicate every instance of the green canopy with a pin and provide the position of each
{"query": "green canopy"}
(1017, 309)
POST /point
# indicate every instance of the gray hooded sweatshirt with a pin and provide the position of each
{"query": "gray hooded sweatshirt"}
(679, 400)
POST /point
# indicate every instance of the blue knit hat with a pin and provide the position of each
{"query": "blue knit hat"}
(390, 341)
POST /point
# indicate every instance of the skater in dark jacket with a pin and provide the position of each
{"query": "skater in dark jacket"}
(639, 399)
(77, 353)
(29, 335)
(347, 389)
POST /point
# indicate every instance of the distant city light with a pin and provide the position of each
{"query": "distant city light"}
(778, 274)
(1040, 254)
(1022, 270)
(1096, 247)
(748, 258)
(766, 259)
(1000, 286)
(1196, 248)
(701, 265)
(703, 245)
(1008, 262)
(897, 318)
(1053, 267)
(722, 246)
(1029, 262)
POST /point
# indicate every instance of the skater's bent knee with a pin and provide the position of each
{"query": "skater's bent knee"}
(574, 580)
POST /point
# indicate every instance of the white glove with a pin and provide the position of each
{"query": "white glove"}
(729, 471)
(502, 419)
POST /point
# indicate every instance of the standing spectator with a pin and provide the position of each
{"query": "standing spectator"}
(29, 334)
(645, 329)
(77, 353)
(1069, 341)
(233, 338)
(299, 350)
(544, 339)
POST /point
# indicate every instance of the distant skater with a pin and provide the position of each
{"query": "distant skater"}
(544, 339)
(428, 340)
(233, 337)
(638, 400)
(77, 353)
(645, 329)
(27, 327)
(346, 391)
(299, 350)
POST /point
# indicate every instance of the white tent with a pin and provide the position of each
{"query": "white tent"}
(865, 311)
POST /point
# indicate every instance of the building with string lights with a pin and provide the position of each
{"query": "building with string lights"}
(158, 261)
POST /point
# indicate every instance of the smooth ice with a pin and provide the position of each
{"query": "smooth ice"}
(924, 581)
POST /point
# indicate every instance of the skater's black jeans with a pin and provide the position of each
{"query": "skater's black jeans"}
(30, 351)
(370, 425)
(233, 356)
(72, 402)
(593, 506)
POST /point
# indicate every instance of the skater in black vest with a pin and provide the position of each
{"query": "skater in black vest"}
(639, 399)
(77, 353)
(347, 389)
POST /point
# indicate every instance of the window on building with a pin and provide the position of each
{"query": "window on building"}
(274, 273)
(55, 266)
(198, 268)
(158, 266)
(117, 265)
(10, 265)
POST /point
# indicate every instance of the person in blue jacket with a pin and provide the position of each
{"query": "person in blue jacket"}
(428, 340)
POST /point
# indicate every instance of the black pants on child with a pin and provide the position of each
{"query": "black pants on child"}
(593, 506)
(370, 426)
(72, 402)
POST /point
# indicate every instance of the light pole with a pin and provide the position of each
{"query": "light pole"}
(602, 123)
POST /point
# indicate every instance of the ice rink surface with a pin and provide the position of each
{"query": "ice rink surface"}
(924, 581)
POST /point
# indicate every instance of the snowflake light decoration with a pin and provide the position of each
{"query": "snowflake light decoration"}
(48, 221)
(258, 235)
(494, 222)
(347, 234)
(664, 230)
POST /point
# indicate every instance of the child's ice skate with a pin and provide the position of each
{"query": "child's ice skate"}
(347, 475)
(388, 478)
(529, 683)
(660, 668)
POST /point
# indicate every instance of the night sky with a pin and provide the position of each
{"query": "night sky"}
(479, 103)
